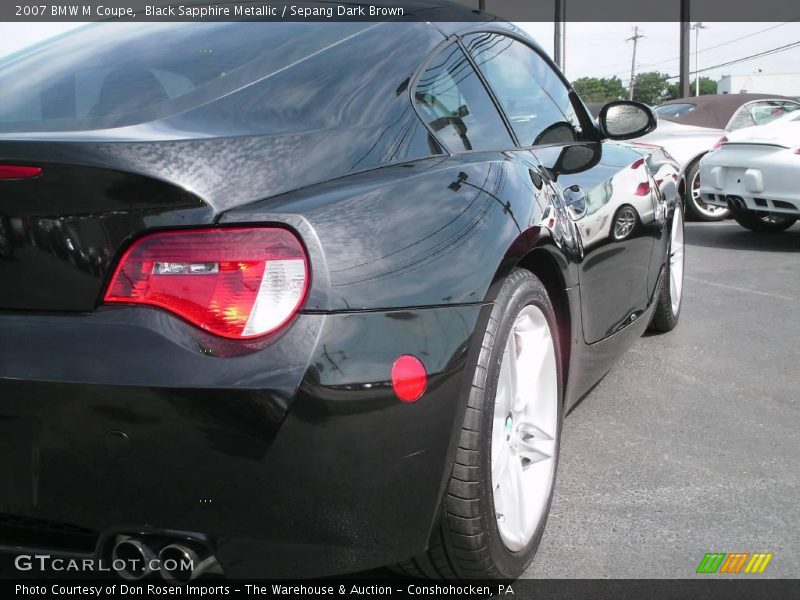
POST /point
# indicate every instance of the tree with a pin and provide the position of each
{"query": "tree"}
(707, 86)
(650, 87)
(599, 89)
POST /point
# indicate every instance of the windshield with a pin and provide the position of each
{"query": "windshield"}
(117, 74)
(674, 110)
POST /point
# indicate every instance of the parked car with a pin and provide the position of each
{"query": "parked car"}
(755, 171)
(689, 127)
(313, 301)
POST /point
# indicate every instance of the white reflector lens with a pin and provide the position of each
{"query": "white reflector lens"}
(281, 289)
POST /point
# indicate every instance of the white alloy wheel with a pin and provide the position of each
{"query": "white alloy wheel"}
(524, 428)
(706, 211)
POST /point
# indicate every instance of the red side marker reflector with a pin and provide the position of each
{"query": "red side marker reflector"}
(409, 378)
(19, 172)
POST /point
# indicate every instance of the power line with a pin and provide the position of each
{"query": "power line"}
(733, 41)
(746, 58)
(720, 45)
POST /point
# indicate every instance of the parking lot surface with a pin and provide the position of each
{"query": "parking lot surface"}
(690, 444)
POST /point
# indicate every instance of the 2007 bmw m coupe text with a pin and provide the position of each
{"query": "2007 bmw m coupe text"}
(300, 299)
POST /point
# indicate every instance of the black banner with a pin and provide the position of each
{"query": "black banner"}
(701, 588)
(382, 10)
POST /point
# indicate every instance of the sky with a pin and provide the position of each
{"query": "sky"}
(596, 49)
(601, 49)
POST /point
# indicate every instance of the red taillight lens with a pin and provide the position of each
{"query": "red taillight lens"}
(643, 188)
(719, 143)
(236, 283)
(637, 164)
(19, 172)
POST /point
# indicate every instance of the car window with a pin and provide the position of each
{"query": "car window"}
(761, 113)
(453, 101)
(533, 96)
(674, 110)
(116, 74)
(741, 119)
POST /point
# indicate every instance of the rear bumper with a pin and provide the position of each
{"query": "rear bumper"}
(292, 457)
(764, 202)
(753, 177)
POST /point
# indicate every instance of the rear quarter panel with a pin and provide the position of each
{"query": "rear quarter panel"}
(427, 233)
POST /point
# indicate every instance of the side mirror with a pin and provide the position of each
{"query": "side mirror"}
(576, 158)
(576, 202)
(626, 119)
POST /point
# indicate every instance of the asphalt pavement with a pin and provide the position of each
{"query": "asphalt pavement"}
(691, 444)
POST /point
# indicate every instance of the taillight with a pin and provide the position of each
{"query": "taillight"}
(637, 164)
(719, 143)
(19, 172)
(643, 189)
(797, 150)
(236, 283)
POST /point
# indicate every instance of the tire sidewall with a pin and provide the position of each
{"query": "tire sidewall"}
(668, 271)
(525, 292)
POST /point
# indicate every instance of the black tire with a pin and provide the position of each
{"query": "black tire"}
(664, 317)
(762, 222)
(466, 543)
(695, 208)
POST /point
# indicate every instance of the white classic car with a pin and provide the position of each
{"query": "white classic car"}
(755, 172)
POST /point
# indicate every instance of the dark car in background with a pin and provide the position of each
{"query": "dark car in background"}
(298, 299)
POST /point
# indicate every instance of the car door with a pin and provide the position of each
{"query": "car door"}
(605, 186)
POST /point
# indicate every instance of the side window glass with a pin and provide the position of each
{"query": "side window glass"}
(452, 100)
(764, 112)
(530, 92)
(740, 119)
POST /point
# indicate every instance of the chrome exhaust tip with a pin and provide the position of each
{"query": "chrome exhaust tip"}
(181, 563)
(132, 559)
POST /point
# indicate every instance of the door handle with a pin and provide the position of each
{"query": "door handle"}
(575, 201)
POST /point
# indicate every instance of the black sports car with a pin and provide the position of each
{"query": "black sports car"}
(300, 299)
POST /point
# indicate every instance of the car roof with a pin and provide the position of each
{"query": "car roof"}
(716, 110)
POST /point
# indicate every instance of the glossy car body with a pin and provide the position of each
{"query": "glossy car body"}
(290, 455)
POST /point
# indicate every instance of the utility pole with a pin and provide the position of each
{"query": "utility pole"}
(559, 42)
(697, 27)
(684, 60)
(635, 38)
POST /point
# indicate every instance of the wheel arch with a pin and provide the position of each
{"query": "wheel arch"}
(690, 163)
(541, 262)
